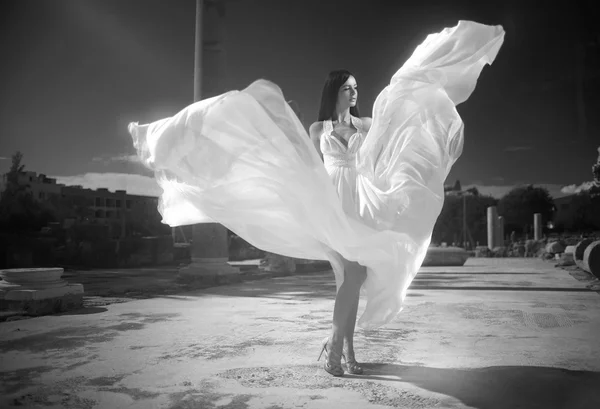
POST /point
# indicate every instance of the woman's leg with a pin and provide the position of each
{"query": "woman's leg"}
(361, 272)
(344, 310)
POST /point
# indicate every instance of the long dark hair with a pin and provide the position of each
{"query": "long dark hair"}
(329, 96)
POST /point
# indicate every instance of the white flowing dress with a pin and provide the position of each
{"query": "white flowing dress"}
(244, 160)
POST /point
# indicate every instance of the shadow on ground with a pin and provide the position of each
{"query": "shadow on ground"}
(64, 339)
(502, 387)
(499, 387)
(294, 288)
(83, 311)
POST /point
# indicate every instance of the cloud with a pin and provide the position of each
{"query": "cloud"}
(4, 158)
(497, 191)
(573, 189)
(517, 148)
(133, 184)
(119, 158)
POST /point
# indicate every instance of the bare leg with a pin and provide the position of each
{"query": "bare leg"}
(345, 309)
(353, 366)
(361, 271)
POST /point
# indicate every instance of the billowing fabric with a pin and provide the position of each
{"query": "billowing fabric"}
(244, 160)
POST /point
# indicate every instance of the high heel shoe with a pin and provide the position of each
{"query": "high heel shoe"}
(352, 366)
(333, 368)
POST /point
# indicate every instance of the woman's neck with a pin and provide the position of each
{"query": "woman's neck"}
(343, 116)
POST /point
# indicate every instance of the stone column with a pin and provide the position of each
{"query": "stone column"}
(209, 252)
(500, 231)
(274, 262)
(492, 217)
(537, 226)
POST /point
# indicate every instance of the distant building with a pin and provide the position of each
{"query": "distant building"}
(576, 212)
(117, 209)
(564, 204)
(40, 186)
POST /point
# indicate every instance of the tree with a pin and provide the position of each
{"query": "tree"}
(519, 205)
(457, 186)
(473, 190)
(15, 169)
(454, 188)
(19, 211)
(596, 170)
(70, 207)
(449, 225)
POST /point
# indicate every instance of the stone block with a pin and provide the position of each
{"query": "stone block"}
(579, 250)
(570, 250)
(591, 259)
(534, 248)
(41, 301)
(555, 247)
(565, 259)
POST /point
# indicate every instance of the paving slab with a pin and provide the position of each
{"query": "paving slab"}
(499, 273)
(254, 345)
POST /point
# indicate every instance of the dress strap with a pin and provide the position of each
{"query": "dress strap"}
(357, 122)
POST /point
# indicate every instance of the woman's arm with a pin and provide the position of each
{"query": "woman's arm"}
(366, 121)
(315, 132)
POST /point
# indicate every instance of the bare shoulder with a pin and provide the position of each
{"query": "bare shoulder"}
(315, 130)
(366, 121)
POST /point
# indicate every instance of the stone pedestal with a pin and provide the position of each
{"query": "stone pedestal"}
(445, 257)
(210, 256)
(38, 291)
(492, 217)
(537, 226)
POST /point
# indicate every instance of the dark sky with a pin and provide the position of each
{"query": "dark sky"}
(75, 72)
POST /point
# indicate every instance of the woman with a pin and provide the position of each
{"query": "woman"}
(244, 160)
(337, 136)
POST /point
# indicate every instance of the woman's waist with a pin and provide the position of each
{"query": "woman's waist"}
(339, 160)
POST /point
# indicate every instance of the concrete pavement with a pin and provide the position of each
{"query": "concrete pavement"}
(495, 334)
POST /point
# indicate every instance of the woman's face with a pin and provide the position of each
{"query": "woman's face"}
(348, 94)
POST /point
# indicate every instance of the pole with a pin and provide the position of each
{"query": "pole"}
(465, 221)
(537, 226)
(580, 87)
(492, 217)
(198, 51)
